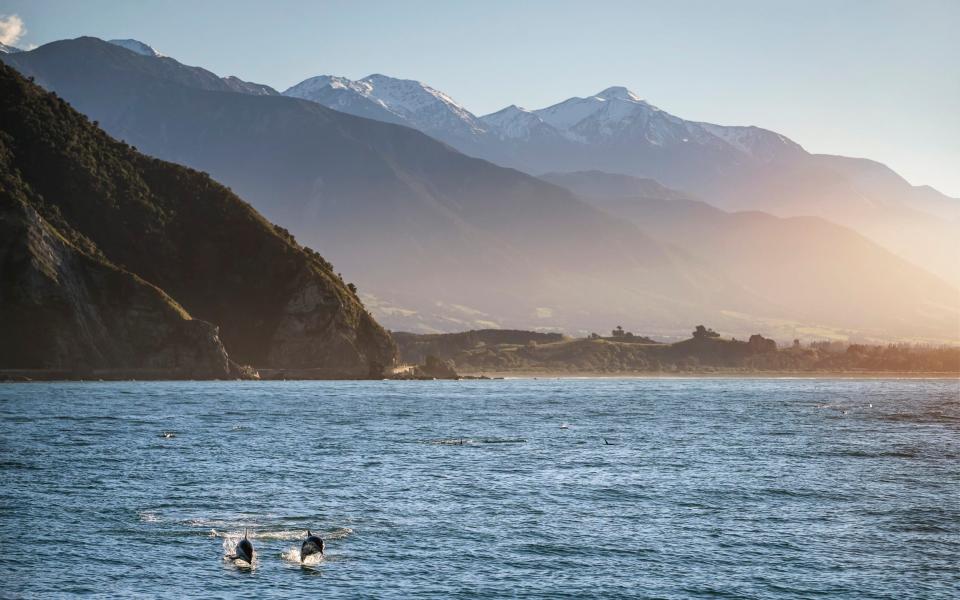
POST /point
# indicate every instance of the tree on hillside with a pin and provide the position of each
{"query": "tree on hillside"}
(760, 344)
(702, 332)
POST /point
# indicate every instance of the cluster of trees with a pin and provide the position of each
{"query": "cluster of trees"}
(702, 332)
(619, 332)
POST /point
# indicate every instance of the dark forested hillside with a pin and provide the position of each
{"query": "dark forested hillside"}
(174, 228)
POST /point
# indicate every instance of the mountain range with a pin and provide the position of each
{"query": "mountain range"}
(438, 240)
(616, 131)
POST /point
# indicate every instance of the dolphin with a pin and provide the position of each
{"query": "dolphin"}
(312, 545)
(244, 550)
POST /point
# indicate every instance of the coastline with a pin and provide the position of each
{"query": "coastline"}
(547, 374)
(52, 375)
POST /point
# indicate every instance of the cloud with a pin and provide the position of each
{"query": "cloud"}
(11, 29)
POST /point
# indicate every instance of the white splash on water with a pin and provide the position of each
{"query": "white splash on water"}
(232, 537)
(292, 554)
(230, 541)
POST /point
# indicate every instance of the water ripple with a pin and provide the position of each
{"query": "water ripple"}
(516, 488)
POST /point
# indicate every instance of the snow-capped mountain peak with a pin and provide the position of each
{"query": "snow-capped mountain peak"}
(390, 99)
(508, 114)
(409, 96)
(5, 49)
(327, 81)
(600, 114)
(619, 93)
(615, 115)
(137, 46)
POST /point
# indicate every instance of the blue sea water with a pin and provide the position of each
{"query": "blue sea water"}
(658, 488)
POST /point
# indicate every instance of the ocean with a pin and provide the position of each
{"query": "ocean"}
(640, 488)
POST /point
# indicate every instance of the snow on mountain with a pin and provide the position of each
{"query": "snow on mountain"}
(247, 87)
(612, 105)
(515, 123)
(137, 46)
(389, 99)
(615, 115)
(5, 49)
(322, 83)
(759, 143)
(345, 95)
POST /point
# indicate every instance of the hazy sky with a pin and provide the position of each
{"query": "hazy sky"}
(878, 79)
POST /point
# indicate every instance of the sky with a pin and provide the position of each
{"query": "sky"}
(876, 79)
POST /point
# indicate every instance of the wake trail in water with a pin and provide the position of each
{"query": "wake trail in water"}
(282, 535)
(470, 441)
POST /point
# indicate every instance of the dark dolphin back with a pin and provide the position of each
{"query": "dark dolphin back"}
(245, 550)
(311, 545)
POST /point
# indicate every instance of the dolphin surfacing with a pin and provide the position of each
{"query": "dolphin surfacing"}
(311, 546)
(244, 551)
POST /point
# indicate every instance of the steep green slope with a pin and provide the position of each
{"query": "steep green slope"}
(64, 307)
(277, 304)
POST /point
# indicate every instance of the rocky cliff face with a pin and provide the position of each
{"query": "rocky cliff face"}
(66, 310)
(97, 230)
(315, 331)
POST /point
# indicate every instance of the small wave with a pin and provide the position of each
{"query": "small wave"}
(220, 523)
(880, 453)
(204, 523)
(928, 416)
(469, 441)
(337, 534)
(13, 464)
(235, 536)
(149, 517)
